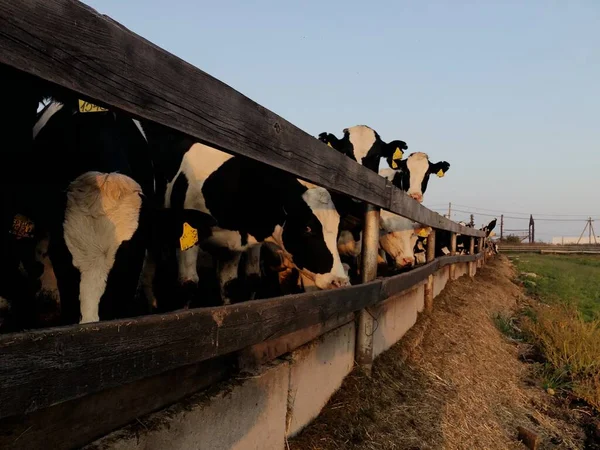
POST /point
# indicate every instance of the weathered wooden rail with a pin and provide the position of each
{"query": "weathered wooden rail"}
(551, 249)
(105, 375)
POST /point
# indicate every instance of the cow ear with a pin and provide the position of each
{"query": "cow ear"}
(394, 150)
(439, 168)
(398, 164)
(185, 228)
(324, 137)
(422, 231)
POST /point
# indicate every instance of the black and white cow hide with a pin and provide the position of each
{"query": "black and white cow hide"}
(252, 203)
(94, 198)
(412, 174)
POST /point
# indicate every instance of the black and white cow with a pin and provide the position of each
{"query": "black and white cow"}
(489, 227)
(364, 145)
(399, 238)
(92, 196)
(412, 174)
(252, 203)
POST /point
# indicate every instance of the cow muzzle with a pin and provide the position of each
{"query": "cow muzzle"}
(405, 262)
(328, 281)
(416, 196)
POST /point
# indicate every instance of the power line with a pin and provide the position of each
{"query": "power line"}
(513, 212)
(521, 218)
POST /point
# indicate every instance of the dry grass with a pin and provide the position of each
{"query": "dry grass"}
(571, 348)
(453, 382)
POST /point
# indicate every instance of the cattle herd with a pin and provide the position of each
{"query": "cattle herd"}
(106, 217)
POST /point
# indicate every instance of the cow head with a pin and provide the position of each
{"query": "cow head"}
(412, 174)
(398, 238)
(362, 144)
(308, 237)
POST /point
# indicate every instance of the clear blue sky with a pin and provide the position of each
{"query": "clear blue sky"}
(508, 93)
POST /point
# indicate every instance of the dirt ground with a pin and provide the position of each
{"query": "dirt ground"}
(453, 382)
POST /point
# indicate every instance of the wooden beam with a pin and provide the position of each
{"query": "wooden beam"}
(429, 285)
(252, 357)
(406, 206)
(472, 252)
(365, 322)
(398, 283)
(69, 44)
(452, 273)
(45, 367)
(76, 423)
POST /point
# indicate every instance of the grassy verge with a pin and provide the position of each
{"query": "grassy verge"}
(565, 326)
(563, 279)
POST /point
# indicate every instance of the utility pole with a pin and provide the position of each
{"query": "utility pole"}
(449, 210)
(591, 232)
(501, 227)
(472, 222)
(531, 229)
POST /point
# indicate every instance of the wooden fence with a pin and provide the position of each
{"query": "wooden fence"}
(53, 378)
(550, 249)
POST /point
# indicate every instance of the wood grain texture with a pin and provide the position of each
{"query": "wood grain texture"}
(252, 357)
(73, 424)
(45, 367)
(69, 44)
(398, 283)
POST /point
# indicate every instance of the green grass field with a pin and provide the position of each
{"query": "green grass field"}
(572, 279)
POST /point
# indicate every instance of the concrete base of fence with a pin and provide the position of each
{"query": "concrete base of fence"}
(316, 372)
(440, 278)
(394, 317)
(247, 415)
(281, 398)
(461, 269)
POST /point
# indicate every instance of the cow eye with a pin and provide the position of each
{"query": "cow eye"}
(308, 230)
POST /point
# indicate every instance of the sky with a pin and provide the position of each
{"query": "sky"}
(507, 92)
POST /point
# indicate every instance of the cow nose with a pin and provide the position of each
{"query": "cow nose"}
(340, 282)
(417, 196)
(403, 262)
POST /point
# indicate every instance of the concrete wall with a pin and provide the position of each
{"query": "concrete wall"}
(316, 372)
(440, 278)
(394, 317)
(242, 416)
(462, 269)
(278, 399)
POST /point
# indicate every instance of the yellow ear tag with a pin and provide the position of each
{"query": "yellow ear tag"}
(423, 232)
(329, 144)
(440, 173)
(189, 238)
(85, 107)
(22, 227)
(394, 164)
(425, 241)
(398, 154)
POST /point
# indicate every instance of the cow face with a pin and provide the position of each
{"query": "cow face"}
(309, 237)
(362, 144)
(413, 174)
(420, 252)
(398, 237)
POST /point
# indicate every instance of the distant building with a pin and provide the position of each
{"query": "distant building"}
(571, 240)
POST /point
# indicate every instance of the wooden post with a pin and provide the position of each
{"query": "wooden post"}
(453, 252)
(481, 249)
(472, 252)
(370, 247)
(429, 286)
(501, 227)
